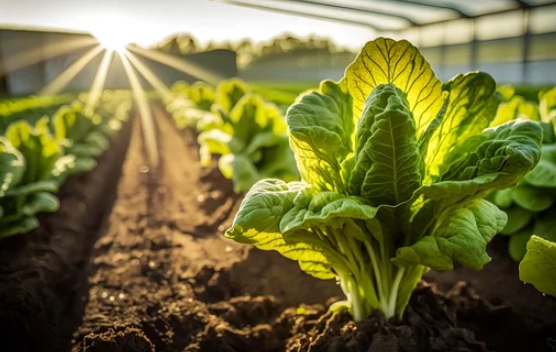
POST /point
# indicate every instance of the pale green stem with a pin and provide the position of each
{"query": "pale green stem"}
(391, 311)
(374, 263)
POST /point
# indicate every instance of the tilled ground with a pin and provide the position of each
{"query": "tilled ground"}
(163, 278)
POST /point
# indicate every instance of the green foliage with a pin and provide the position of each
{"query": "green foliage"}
(538, 267)
(251, 139)
(531, 206)
(532, 203)
(248, 133)
(37, 154)
(394, 168)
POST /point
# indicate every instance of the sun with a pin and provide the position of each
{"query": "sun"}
(115, 32)
(114, 40)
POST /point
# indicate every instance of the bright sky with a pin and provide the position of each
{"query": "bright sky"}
(147, 21)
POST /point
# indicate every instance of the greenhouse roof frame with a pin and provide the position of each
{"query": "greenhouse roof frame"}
(350, 12)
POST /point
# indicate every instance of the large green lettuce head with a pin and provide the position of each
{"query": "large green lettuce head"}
(390, 126)
(394, 164)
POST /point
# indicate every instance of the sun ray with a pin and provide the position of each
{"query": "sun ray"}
(40, 54)
(69, 73)
(179, 64)
(149, 75)
(144, 112)
(98, 83)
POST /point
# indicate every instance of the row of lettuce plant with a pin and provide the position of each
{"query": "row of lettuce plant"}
(41, 145)
(531, 205)
(248, 133)
(395, 167)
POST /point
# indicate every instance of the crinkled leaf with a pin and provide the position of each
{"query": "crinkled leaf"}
(258, 223)
(314, 210)
(539, 265)
(321, 135)
(496, 159)
(387, 164)
(460, 235)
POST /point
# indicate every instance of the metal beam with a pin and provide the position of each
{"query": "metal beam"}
(457, 10)
(352, 9)
(304, 14)
(552, 3)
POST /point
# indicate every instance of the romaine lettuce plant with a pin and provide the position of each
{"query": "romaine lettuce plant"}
(394, 169)
(538, 267)
(252, 141)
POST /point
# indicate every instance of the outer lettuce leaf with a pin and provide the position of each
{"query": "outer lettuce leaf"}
(321, 135)
(501, 155)
(258, 223)
(461, 234)
(539, 265)
(471, 107)
(385, 61)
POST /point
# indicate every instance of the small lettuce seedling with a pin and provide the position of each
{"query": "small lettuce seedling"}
(394, 169)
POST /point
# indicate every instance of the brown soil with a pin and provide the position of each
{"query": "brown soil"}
(164, 279)
(523, 318)
(41, 273)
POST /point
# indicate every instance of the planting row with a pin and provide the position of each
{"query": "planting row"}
(398, 172)
(42, 142)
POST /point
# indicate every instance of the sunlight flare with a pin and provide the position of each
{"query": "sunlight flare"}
(98, 83)
(179, 64)
(149, 75)
(144, 113)
(60, 82)
(43, 53)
